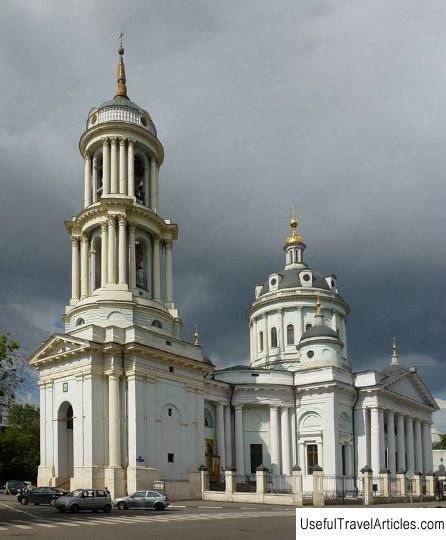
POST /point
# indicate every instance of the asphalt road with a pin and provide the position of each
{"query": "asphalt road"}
(186, 521)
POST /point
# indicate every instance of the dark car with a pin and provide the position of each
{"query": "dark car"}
(143, 499)
(84, 499)
(13, 486)
(43, 495)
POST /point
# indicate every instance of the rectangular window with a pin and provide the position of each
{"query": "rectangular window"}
(344, 459)
(171, 369)
(169, 412)
(170, 458)
(311, 457)
(256, 456)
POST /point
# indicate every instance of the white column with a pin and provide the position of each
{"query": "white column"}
(105, 166)
(418, 447)
(84, 266)
(122, 249)
(409, 445)
(154, 184)
(75, 268)
(221, 434)
(374, 440)
(333, 320)
(427, 447)
(114, 165)
(391, 463)
(294, 457)
(382, 448)
(274, 439)
(266, 336)
(87, 185)
(156, 270)
(286, 443)
(254, 352)
(169, 286)
(281, 336)
(94, 181)
(132, 257)
(122, 167)
(228, 437)
(344, 337)
(299, 325)
(146, 186)
(114, 440)
(111, 250)
(104, 253)
(401, 446)
(239, 450)
(131, 167)
(43, 413)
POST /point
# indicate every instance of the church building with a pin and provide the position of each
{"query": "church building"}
(124, 400)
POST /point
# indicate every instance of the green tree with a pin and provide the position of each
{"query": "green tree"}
(11, 372)
(19, 444)
(441, 443)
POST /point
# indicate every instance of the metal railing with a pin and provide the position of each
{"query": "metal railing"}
(245, 483)
(340, 489)
(279, 483)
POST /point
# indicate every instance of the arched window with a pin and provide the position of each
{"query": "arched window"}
(157, 324)
(208, 420)
(97, 262)
(97, 177)
(80, 321)
(141, 265)
(261, 341)
(273, 337)
(290, 334)
(308, 326)
(140, 189)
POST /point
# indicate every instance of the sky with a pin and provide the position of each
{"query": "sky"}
(335, 107)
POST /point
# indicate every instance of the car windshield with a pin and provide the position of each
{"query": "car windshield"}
(75, 493)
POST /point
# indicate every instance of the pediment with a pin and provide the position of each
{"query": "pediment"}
(56, 347)
(409, 385)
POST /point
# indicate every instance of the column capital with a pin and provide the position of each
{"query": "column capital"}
(299, 308)
(122, 141)
(131, 142)
(105, 141)
(279, 309)
(84, 238)
(122, 220)
(111, 220)
(168, 244)
(239, 406)
(333, 311)
(132, 227)
(75, 241)
(156, 241)
(87, 156)
(114, 141)
(273, 407)
(104, 226)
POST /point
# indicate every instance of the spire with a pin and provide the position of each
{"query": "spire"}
(295, 238)
(394, 353)
(196, 336)
(121, 88)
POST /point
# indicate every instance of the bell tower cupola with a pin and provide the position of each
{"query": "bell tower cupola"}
(121, 246)
(294, 245)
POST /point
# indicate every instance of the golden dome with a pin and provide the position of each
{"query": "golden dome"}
(294, 238)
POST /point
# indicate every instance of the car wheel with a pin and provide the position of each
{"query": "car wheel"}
(107, 508)
(122, 506)
(75, 508)
(159, 506)
(52, 501)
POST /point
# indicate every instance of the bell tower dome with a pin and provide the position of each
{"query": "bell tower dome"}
(121, 246)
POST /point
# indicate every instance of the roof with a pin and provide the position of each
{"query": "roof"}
(290, 279)
(319, 330)
(121, 102)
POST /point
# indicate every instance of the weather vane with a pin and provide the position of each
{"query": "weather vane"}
(120, 37)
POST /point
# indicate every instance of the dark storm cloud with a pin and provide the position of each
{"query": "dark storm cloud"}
(335, 107)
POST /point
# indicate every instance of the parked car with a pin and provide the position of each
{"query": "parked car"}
(84, 499)
(42, 495)
(143, 499)
(13, 486)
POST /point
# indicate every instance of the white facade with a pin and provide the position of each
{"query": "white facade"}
(124, 400)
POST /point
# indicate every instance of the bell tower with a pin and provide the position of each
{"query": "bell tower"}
(121, 246)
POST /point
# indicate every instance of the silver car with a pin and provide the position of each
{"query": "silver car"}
(85, 499)
(143, 499)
